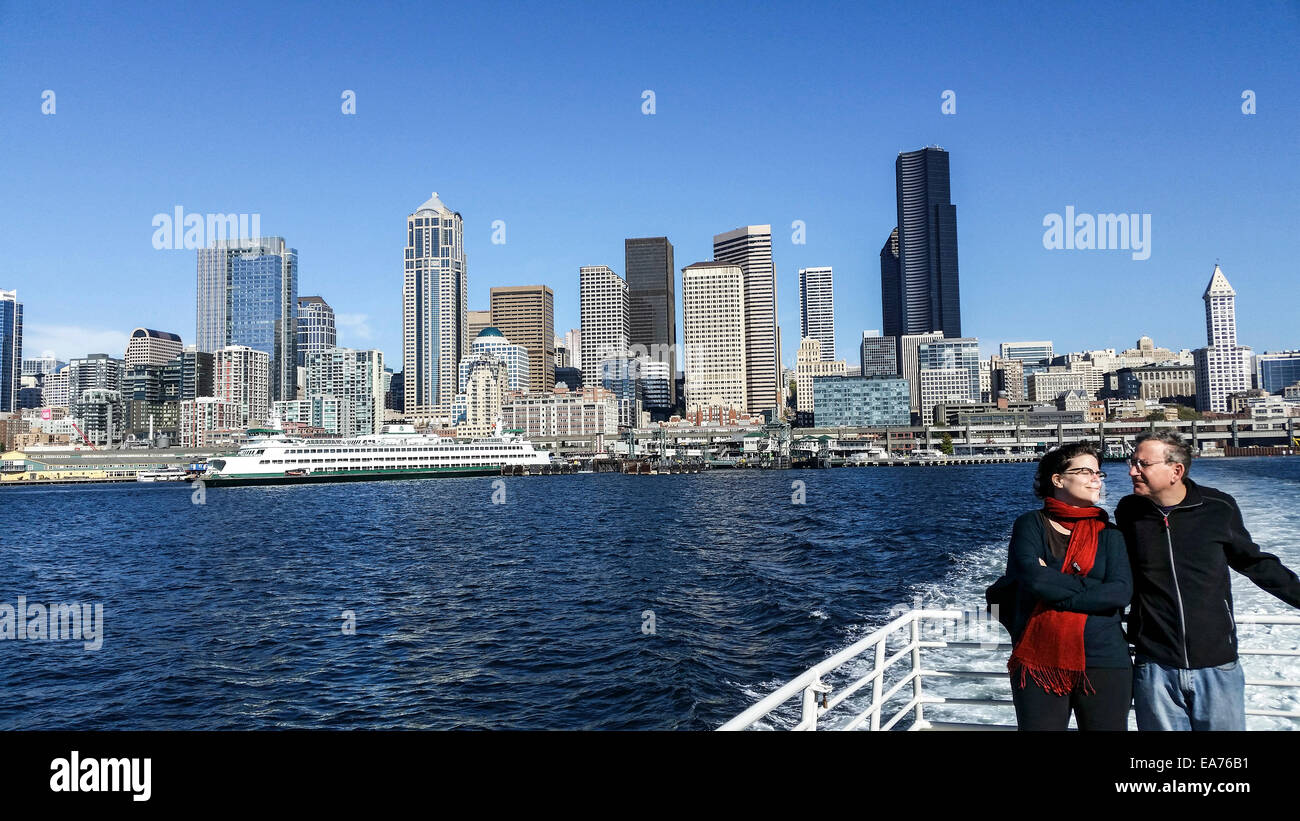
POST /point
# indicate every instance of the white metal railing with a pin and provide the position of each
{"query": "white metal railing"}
(914, 628)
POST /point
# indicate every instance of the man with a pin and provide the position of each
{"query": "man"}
(1182, 538)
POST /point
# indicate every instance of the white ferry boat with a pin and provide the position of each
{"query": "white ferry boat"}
(398, 452)
(165, 474)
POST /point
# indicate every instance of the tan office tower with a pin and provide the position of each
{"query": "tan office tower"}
(525, 315)
(476, 321)
(750, 247)
(433, 309)
(150, 347)
(713, 332)
(604, 315)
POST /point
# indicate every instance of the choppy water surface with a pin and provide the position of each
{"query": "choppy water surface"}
(535, 613)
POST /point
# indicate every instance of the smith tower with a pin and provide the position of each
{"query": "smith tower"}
(1222, 366)
(918, 265)
(433, 309)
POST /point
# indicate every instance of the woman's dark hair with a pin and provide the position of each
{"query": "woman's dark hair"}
(1055, 460)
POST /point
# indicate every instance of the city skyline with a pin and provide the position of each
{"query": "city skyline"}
(352, 176)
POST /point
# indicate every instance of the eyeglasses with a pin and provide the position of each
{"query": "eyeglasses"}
(1141, 465)
(1088, 472)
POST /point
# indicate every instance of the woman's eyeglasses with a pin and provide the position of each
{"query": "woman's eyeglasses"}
(1088, 472)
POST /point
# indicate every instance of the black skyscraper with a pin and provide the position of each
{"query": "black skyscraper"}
(918, 265)
(890, 305)
(652, 312)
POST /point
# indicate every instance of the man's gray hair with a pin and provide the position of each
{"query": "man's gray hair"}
(1176, 450)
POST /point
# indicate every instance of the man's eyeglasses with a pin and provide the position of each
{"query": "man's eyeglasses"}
(1141, 465)
(1088, 472)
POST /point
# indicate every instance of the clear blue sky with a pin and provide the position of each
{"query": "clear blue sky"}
(531, 114)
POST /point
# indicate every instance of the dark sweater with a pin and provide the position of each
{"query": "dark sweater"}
(1102, 594)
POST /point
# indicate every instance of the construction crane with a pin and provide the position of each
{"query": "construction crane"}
(84, 439)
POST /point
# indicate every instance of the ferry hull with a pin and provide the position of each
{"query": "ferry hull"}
(347, 476)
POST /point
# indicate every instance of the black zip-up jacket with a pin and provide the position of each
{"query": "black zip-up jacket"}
(1182, 593)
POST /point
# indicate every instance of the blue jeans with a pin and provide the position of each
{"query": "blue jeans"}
(1171, 698)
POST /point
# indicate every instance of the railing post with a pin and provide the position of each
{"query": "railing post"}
(878, 686)
(810, 705)
(916, 665)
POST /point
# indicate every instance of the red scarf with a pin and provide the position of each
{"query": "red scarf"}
(1050, 650)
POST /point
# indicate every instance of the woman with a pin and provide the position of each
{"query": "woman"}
(1073, 579)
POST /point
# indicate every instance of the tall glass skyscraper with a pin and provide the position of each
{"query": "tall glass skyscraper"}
(248, 295)
(11, 350)
(918, 264)
(652, 307)
(434, 308)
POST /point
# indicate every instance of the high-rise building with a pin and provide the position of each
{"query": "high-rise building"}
(817, 309)
(1038, 353)
(875, 401)
(918, 264)
(948, 371)
(191, 374)
(1007, 379)
(1274, 372)
(476, 321)
(206, 420)
(98, 371)
(11, 350)
(573, 341)
(434, 308)
(491, 343)
(652, 311)
(879, 355)
(750, 247)
(248, 295)
(1048, 385)
(525, 314)
(484, 395)
(150, 347)
(101, 415)
(891, 299)
(1223, 366)
(324, 412)
(909, 364)
(241, 375)
(604, 313)
(54, 389)
(810, 365)
(41, 365)
(656, 384)
(397, 393)
(356, 379)
(316, 330)
(713, 331)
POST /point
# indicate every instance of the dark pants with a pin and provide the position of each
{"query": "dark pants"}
(1105, 709)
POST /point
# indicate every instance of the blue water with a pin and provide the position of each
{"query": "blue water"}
(529, 614)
